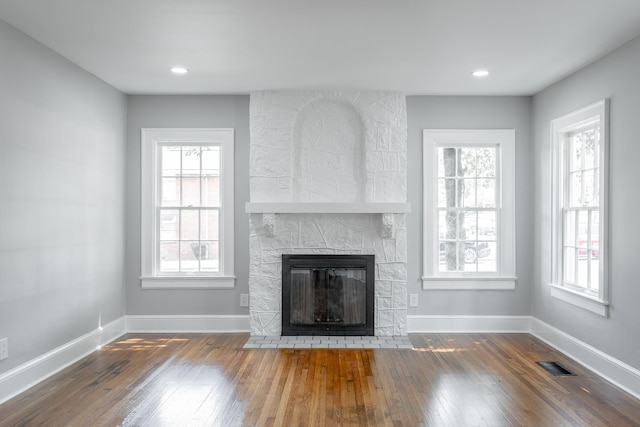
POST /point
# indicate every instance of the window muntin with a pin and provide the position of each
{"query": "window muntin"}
(581, 210)
(468, 211)
(469, 221)
(187, 208)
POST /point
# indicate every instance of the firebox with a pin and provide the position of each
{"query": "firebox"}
(328, 294)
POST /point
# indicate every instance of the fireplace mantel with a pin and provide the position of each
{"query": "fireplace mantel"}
(269, 210)
(295, 207)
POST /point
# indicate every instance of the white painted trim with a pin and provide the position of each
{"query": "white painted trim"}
(597, 112)
(468, 324)
(188, 323)
(505, 142)
(275, 207)
(186, 282)
(580, 299)
(613, 370)
(151, 139)
(28, 374)
(471, 283)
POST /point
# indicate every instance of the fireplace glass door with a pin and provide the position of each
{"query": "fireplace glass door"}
(328, 295)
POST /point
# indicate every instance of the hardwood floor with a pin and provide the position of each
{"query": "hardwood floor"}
(209, 380)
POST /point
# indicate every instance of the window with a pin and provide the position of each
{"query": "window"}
(469, 238)
(187, 208)
(580, 182)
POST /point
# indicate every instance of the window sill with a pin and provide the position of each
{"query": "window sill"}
(580, 300)
(188, 282)
(469, 283)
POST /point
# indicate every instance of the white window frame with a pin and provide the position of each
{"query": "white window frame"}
(505, 278)
(151, 140)
(560, 128)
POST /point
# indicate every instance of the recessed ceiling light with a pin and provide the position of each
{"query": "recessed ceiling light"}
(179, 70)
(480, 73)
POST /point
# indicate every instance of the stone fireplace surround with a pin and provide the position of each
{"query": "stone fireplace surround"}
(328, 176)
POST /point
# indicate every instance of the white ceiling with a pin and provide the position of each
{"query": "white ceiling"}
(413, 46)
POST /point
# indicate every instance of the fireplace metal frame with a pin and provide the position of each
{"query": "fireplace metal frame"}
(290, 261)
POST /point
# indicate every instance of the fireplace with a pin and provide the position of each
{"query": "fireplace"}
(328, 175)
(327, 294)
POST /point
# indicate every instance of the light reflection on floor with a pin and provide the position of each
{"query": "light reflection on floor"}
(459, 400)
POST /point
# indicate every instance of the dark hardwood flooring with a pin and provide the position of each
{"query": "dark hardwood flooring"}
(209, 380)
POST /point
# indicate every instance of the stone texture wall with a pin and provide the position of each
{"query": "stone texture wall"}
(285, 125)
(292, 133)
(328, 234)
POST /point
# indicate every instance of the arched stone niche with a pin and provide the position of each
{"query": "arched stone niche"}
(328, 153)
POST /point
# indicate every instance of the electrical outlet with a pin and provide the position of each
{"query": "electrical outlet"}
(244, 300)
(4, 348)
(413, 300)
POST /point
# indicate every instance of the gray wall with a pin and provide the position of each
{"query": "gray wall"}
(423, 112)
(62, 168)
(435, 112)
(184, 112)
(615, 76)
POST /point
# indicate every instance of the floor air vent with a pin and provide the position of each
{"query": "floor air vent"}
(555, 369)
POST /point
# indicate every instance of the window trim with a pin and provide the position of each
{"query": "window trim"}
(151, 140)
(560, 127)
(505, 278)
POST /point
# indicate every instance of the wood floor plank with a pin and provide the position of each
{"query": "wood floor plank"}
(210, 380)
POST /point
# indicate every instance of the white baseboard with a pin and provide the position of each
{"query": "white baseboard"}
(468, 324)
(188, 323)
(28, 374)
(613, 370)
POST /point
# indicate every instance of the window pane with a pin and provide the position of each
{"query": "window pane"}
(589, 188)
(211, 191)
(209, 261)
(486, 162)
(449, 256)
(168, 224)
(450, 161)
(189, 225)
(169, 257)
(170, 161)
(583, 225)
(209, 225)
(569, 262)
(575, 189)
(170, 191)
(442, 192)
(575, 153)
(469, 222)
(191, 160)
(583, 271)
(487, 256)
(595, 234)
(189, 253)
(442, 225)
(589, 145)
(468, 162)
(449, 196)
(594, 286)
(470, 256)
(487, 225)
(469, 192)
(486, 193)
(211, 161)
(451, 225)
(190, 191)
(570, 229)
